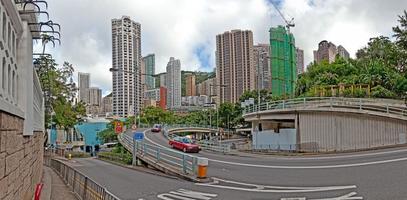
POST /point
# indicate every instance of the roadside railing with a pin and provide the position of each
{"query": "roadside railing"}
(214, 146)
(375, 105)
(180, 162)
(82, 186)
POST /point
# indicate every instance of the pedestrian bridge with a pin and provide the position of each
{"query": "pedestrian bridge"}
(324, 124)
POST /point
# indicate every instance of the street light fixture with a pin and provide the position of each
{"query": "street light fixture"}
(217, 112)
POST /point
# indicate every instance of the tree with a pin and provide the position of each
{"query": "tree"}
(59, 93)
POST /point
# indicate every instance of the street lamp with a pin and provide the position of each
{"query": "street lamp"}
(217, 113)
(258, 78)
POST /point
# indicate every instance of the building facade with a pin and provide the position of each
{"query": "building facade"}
(152, 94)
(21, 104)
(173, 83)
(283, 61)
(190, 85)
(94, 106)
(126, 58)
(83, 86)
(163, 79)
(107, 104)
(163, 98)
(204, 88)
(149, 70)
(262, 65)
(342, 52)
(235, 71)
(300, 61)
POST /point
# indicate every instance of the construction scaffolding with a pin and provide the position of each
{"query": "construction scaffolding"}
(283, 61)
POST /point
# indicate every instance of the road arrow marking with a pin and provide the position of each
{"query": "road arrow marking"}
(217, 183)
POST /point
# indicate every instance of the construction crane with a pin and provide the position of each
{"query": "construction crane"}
(288, 23)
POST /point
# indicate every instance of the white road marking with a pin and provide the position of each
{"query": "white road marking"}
(311, 167)
(270, 189)
(186, 195)
(350, 196)
(302, 167)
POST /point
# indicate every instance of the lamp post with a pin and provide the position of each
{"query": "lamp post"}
(136, 113)
(217, 112)
(259, 86)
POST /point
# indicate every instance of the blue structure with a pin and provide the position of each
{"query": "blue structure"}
(89, 132)
(53, 136)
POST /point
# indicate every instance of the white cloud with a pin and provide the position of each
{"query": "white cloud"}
(178, 27)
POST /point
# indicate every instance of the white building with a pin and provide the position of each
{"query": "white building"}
(126, 57)
(153, 94)
(173, 83)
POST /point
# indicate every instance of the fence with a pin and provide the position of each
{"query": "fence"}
(375, 105)
(182, 163)
(82, 186)
(214, 146)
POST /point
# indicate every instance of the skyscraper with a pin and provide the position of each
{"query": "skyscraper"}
(190, 86)
(283, 61)
(84, 84)
(149, 69)
(326, 51)
(173, 83)
(262, 64)
(234, 64)
(300, 61)
(126, 57)
(342, 52)
(95, 101)
(163, 79)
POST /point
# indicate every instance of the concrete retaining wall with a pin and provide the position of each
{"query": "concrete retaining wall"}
(333, 131)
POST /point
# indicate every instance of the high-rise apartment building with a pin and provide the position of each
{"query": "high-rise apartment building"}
(163, 79)
(173, 83)
(234, 64)
(95, 101)
(190, 86)
(300, 61)
(283, 61)
(107, 104)
(342, 52)
(149, 70)
(126, 57)
(261, 55)
(83, 86)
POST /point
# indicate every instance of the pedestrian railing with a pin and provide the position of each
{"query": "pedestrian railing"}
(361, 104)
(182, 163)
(214, 146)
(82, 186)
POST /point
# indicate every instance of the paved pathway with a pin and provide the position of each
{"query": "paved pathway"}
(54, 187)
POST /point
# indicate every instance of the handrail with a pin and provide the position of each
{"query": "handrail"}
(183, 163)
(81, 185)
(361, 104)
(216, 147)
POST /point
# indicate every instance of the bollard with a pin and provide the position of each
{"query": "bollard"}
(202, 167)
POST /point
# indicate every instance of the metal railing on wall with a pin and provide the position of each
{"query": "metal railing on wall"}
(82, 186)
(374, 105)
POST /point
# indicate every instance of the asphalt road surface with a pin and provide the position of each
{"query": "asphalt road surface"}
(380, 175)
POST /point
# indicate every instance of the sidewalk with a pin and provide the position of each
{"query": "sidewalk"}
(54, 187)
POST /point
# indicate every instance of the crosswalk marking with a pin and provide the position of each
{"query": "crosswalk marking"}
(183, 194)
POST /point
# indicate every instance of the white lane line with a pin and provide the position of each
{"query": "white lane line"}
(311, 167)
(186, 195)
(217, 180)
(350, 196)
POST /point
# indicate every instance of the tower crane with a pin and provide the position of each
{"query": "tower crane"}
(288, 23)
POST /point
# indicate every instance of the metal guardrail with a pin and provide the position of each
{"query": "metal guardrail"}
(214, 146)
(375, 105)
(82, 186)
(183, 163)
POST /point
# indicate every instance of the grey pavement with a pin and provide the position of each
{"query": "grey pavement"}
(54, 188)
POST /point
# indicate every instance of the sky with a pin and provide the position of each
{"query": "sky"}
(187, 29)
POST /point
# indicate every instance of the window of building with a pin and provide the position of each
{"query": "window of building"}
(4, 74)
(4, 26)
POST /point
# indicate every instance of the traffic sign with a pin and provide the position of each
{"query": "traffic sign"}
(118, 127)
(138, 136)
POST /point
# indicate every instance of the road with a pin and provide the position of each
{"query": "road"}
(375, 174)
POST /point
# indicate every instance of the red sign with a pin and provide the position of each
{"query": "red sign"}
(118, 127)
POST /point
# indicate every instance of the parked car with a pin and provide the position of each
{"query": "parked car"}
(156, 128)
(184, 144)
